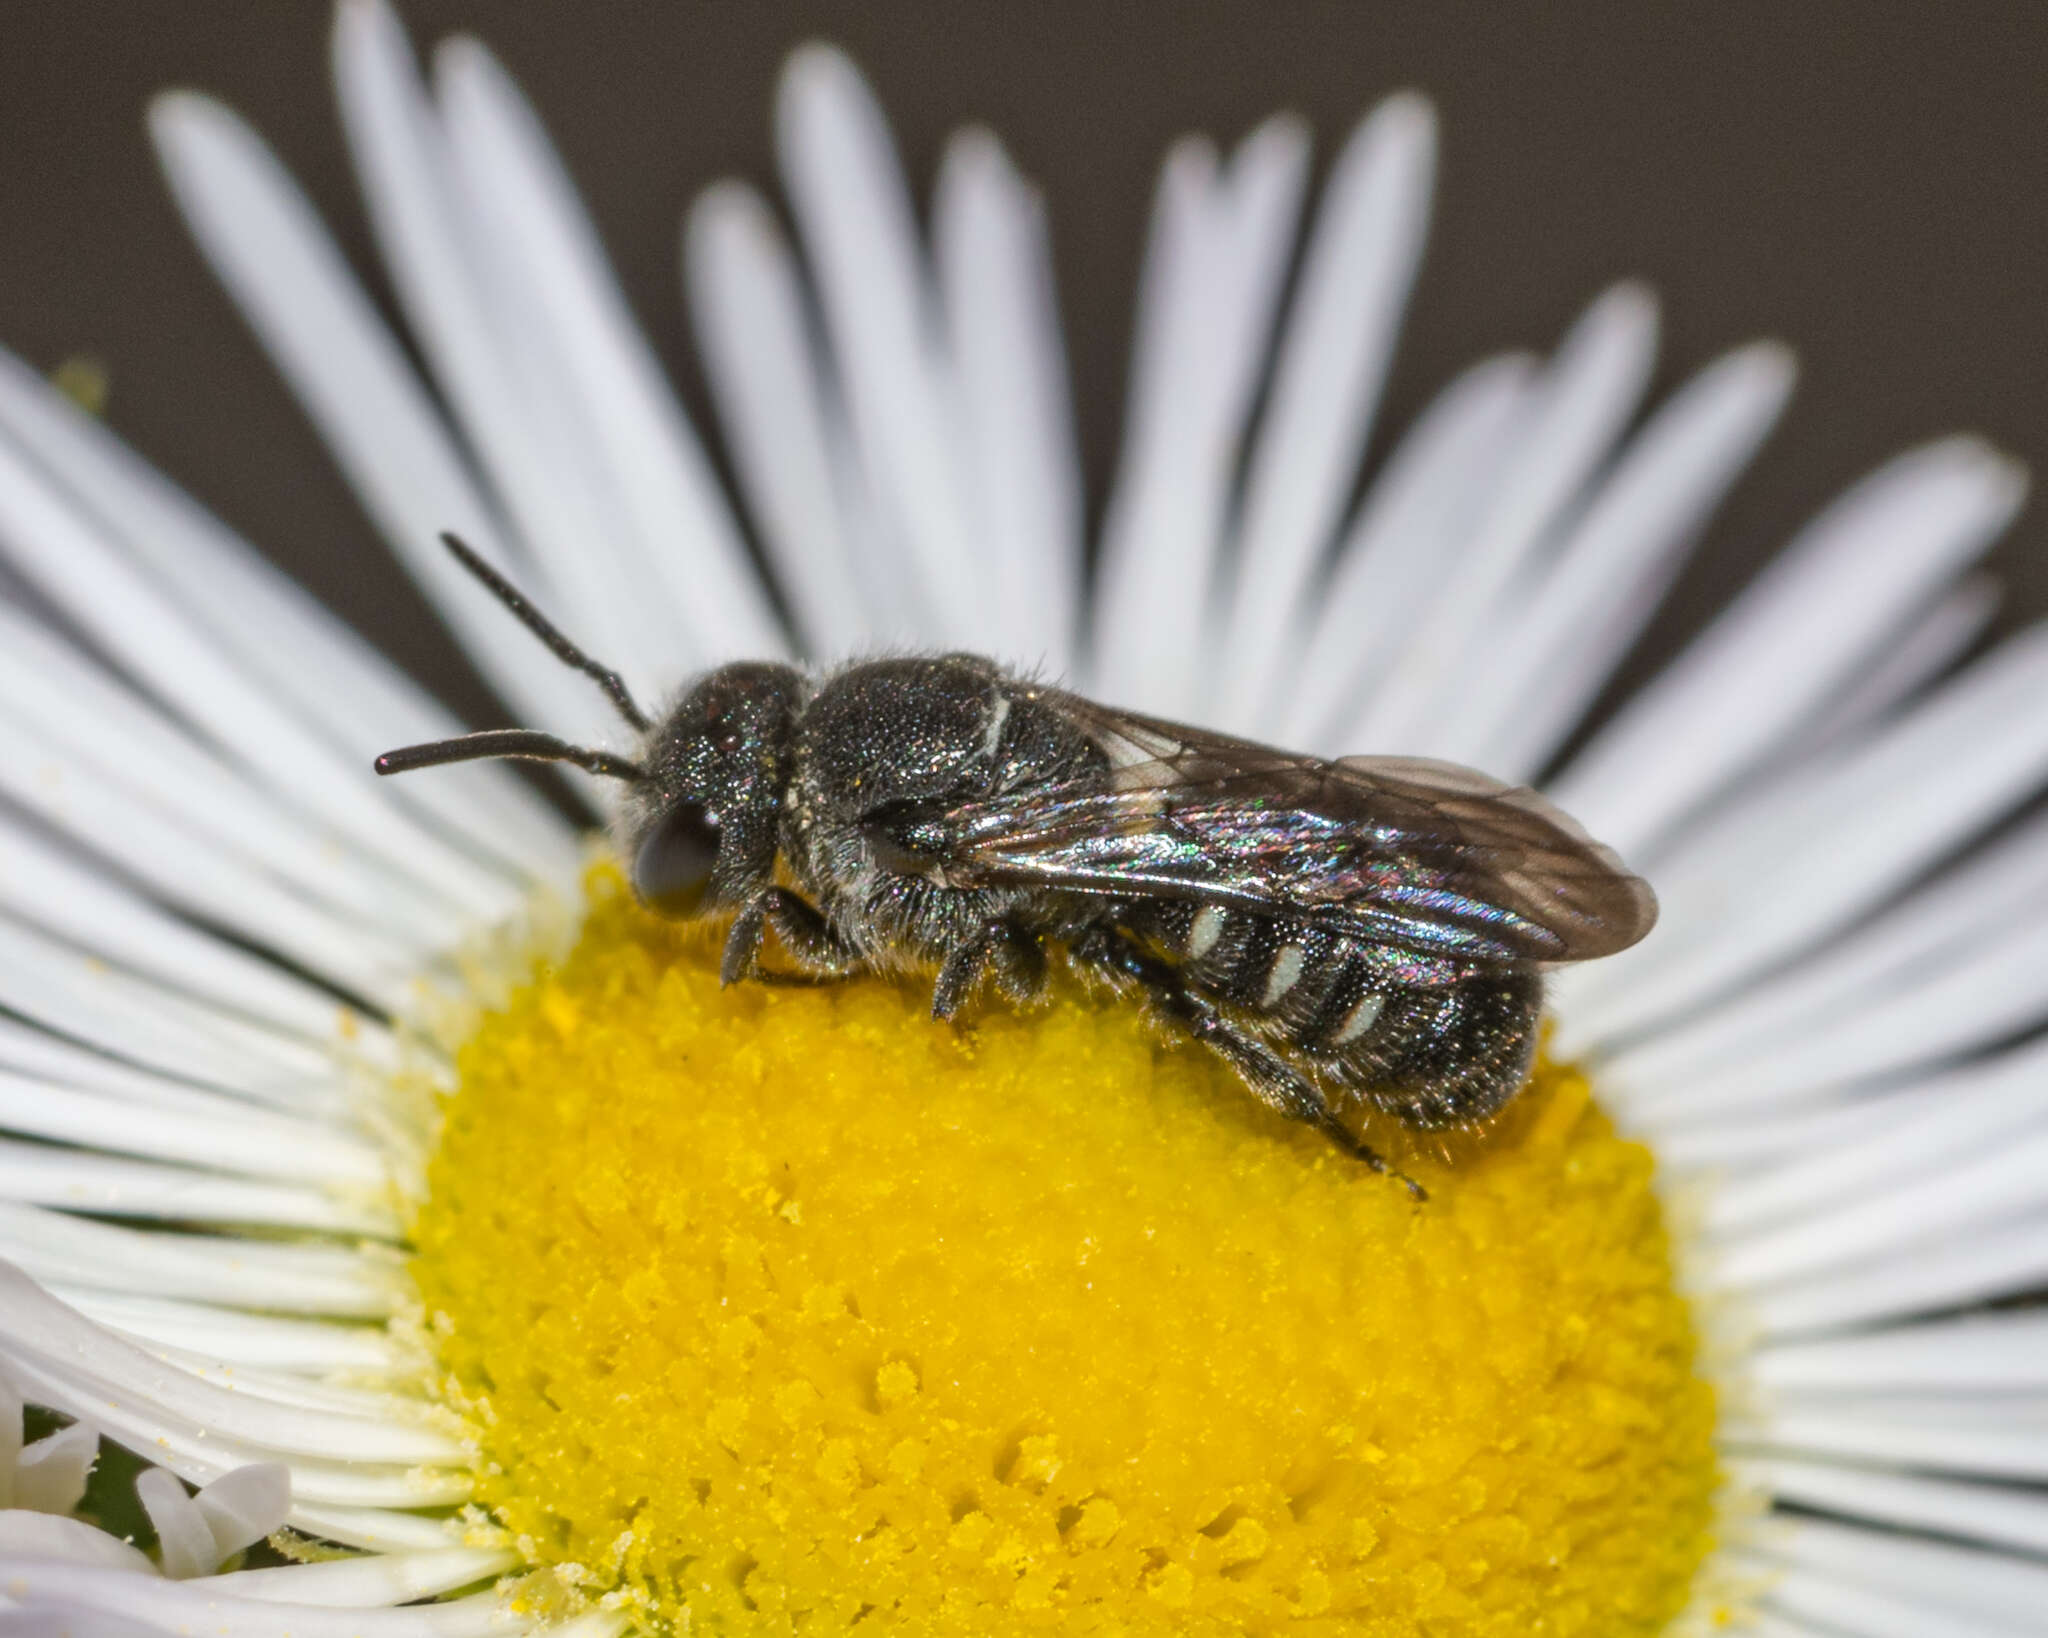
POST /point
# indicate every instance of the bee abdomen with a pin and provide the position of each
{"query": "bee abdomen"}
(1262, 963)
(1450, 1055)
(1430, 1042)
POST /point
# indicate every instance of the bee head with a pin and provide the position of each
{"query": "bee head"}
(699, 828)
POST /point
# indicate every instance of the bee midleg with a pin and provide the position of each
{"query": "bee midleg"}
(812, 942)
(1011, 952)
(1271, 1079)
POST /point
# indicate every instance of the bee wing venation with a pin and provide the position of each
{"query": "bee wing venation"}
(1423, 855)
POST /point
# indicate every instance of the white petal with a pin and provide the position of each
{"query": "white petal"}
(688, 545)
(53, 1540)
(56, 548)
(1581, 403)
(1807, 623)
(201, 1452)
(1959, 910)
(1206, 306)
(86, 908)
(392, 1578)
(45, 1057)
(1981, 1192)
(1955, 1117)
(1160, 496)
(184, 1543)
(149, 840)
(1932, 641)
(1843, 1606)
(1979, 1353)
(242, 1507)
(1972, 1512)
(227, 1138)
(1994, 1586)
(1770, 1624)
(1935, 1436)
(1330, 365)
(65, 1593)
(79, 996)
(288, 1279)
(994, 271)
(44, 1334)
(1584, 609)
(374, 1529)
(38, 1175)
(276, 259)
(51, 691)
(50, 1475)
(1400, 550)
(1756, 1141)
(291, 1390)
(1930, 1016)
(11, 1435)
(189, 871)
(145, 834)
(1976, 1265)
(1803, 859)
(263, 1340)
(296, 647)
(752, 333)
(847, 191)
(453, 282)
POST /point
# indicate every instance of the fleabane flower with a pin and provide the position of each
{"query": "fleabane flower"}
(397, 1188)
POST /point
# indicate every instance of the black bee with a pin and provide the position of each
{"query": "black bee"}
(1371, 929)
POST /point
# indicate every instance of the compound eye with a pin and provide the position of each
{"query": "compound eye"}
(674, 864)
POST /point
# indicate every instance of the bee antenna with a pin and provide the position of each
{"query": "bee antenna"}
(542, 627)
(520, 743)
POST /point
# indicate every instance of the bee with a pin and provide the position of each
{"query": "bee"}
(1370, 930)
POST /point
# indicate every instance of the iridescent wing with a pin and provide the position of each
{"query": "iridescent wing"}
(1427, 856)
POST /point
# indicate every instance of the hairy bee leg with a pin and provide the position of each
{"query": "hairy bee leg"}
(1270, 1078)
(1280, 1087)
(1014, 955)
(1019, 959)
(809, 938)
(958, 974)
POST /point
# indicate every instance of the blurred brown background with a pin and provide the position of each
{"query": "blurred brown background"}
(1859, 179)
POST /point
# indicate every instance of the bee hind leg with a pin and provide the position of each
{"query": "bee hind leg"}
(1012, 954)
(811, 941)
(1281, 1087)
(1272, 1080)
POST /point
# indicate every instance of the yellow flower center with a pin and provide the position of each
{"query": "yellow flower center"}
(787, 1309)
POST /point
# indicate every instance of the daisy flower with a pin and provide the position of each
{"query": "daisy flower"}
(457, 1258)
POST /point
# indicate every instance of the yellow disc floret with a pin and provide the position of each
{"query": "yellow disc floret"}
(788, 1310)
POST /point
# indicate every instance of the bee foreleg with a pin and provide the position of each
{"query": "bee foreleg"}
(1272, 1080)
(812, 942)
(1014, 955)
